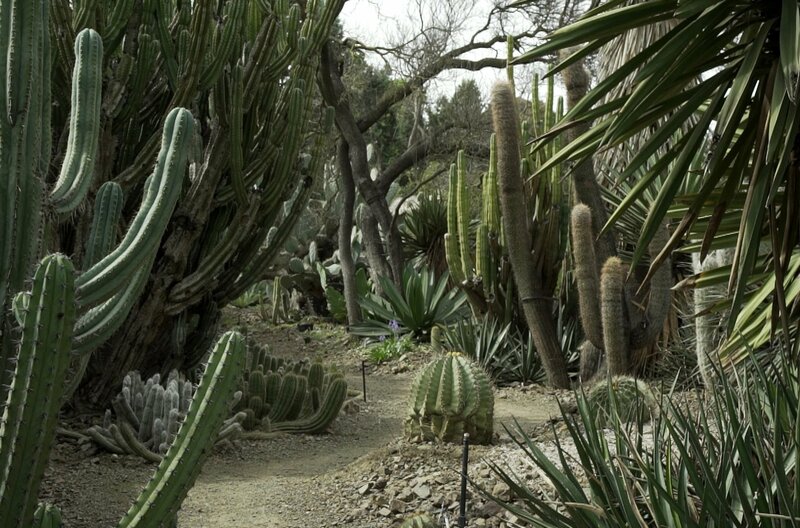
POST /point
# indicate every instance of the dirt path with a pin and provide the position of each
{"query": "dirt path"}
(286, 482)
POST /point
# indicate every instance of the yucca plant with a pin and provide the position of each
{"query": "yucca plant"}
(732, 462)
(423, 229)
(730, 67)
(423, 303)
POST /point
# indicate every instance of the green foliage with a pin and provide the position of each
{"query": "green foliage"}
(731, 461)
(423, 229)
(450, 396)
(732, 75)
(389, 348)
(423, 303)
(47, 516)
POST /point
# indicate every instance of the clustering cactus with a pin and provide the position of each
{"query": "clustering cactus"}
(149, 415)
(452, 395)
(289, 396)
(632, 398)
(617, 319)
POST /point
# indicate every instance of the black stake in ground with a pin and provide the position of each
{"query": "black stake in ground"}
(364, 378)
(462, 506)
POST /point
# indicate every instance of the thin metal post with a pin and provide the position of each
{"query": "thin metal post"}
(462, 507)
(364, 378)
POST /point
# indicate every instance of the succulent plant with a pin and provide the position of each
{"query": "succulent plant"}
(47, 516)
(450, 396)
(633, 399)
(289, 396)
(419, 520)
(149, 415)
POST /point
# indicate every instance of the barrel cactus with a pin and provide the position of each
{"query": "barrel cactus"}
(452, 395)
(633, 399)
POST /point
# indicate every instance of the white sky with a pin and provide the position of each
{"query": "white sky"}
(374, 22)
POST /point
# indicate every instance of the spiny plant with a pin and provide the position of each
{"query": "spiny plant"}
(622, 397)
(289, 396)
(531, 256)
(149, 414)
(450, 396)
(617, 318)
(247, 71)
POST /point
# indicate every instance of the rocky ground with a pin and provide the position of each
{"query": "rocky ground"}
(361, 475)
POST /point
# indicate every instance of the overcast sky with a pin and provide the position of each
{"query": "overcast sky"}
(375, 22)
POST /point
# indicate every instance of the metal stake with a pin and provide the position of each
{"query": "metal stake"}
(462, 506)
(364, 378)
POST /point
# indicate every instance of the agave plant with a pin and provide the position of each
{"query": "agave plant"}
(423, 302)
(423, 229)
(730, 67)
(731, 463)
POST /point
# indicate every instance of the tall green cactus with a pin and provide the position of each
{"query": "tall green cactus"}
(617, 319)
(31, 413)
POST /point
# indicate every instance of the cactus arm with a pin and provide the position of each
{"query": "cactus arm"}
(319, 422)
(586, 274)
(30, 418)
(101, 280)
(233, 21)
(107, 211)
(453, 250)
(612, 308)
(177, 472)
(77, 170)
(462, 212)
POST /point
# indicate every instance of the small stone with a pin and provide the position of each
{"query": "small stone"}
(384, 512)
(380, 483)
(502, 491)
(363, 490)
(398, 506)
(422, 491)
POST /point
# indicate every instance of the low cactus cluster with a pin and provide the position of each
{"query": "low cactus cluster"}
(149, 415)
(632, 397)
(47, 516)
(419, 520)
(289, 396)
(452, 395)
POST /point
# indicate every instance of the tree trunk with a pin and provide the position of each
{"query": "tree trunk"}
(345, 233)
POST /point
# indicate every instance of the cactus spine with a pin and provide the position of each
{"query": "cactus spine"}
(631, 398)
(451, 395)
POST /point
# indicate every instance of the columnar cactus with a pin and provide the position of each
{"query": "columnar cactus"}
(47, 516)
(451, 395)
(34, 398)
(614, 316)
(632, 399)
(530, 256)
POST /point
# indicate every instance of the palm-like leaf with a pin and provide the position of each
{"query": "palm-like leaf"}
(746, 55)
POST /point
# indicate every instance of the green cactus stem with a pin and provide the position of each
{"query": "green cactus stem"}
(161, 498)
(107, 212)
(77, 170)
(47, 516)
(31, 413)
